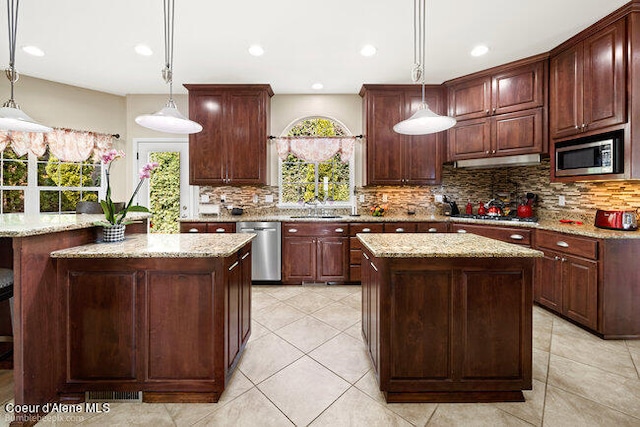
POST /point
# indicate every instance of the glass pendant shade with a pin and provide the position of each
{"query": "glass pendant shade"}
(424, 121)
(14, 119)
(169, 120)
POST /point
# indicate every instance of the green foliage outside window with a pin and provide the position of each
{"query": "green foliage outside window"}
(299, 183)
(54, 173)
(164, 192)
(14, 174)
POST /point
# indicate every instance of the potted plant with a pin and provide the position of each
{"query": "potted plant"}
(115, 219)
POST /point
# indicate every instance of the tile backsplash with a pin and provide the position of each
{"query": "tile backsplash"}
(462, 185)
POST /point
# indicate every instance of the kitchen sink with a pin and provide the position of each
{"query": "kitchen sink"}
(315, 216)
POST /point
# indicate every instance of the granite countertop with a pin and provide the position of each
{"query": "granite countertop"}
(162, 246)
(585, 229)
(21, 225)
(441, 245)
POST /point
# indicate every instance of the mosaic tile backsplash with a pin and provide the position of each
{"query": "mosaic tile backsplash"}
(475, 185)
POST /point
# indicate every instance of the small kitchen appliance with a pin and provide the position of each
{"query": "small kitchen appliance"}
(617, 220)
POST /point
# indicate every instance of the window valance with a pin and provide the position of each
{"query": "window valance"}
(66, 144)
(316, 149)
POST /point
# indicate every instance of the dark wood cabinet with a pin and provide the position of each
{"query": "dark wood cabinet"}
(567, 276)
(500, 112)
(231, 149)
(207, 227)
(400, 227)
(432, 227)
(173, 328)
(315, 252)
(517, 235)
(393, 158)
(588, 83)
(464, 337)
(355, 247)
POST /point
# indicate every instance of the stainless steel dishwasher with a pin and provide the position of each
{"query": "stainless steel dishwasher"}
(266, 248)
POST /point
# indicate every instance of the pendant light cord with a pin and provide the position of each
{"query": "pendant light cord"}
(169, 19)
(12, 19)
(419, 44)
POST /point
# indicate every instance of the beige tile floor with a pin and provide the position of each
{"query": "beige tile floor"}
(306, 364)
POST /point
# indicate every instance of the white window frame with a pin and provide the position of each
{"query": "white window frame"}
(352, 166)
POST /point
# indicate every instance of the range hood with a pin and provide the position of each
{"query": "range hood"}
(492, 162)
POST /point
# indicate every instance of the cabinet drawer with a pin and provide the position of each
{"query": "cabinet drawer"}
(193, 227)
(573, 245)
(365, 228)
(433, 227)
(221, 227)
(400, 227)
(292, 229)
(520, 236)
(355, 256)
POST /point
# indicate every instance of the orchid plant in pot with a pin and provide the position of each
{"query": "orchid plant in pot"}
(115, 220)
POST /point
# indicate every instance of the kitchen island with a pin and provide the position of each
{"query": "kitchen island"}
(447, 317)
(166, 315)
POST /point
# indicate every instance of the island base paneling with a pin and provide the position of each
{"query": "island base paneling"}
(173, 328)
(449, 329)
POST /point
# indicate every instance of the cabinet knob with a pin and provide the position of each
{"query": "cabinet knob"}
(193, 230)
(562, 244)
(584, 126)
(517, 236)
(462, 230)
(563, 259)
(293, 230)
(493, 152)
(400, 230)
(366, 230)
(339, 230)
(220, 230)
(433, 230)
(488, 111)
(494, 111)
(557, 258)
(577, 127)
(486, 152)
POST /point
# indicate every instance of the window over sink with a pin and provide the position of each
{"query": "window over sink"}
(302, 181)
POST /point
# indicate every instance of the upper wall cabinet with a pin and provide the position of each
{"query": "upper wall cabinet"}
(500, 112)
(588, 84)
(232, 147)
(393, 158)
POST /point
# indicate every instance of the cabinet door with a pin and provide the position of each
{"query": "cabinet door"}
(517, 133)
(384, 146)
(518, 89)
(604, 78)
(365, 281)
(221, 227)
(333, 253)
(207, 153)
(233, 310)
(423, 154)
(471, 99)
(246, 142)
(298, 259)
(580, 290)
(470, 139)
(245, 296)
(548, 286)
(432, 227)
(565, 92)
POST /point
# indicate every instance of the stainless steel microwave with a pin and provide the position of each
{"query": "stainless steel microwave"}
(593, 156)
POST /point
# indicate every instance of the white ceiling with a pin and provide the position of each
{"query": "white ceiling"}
(89, 43)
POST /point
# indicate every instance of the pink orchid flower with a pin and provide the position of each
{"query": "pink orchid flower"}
(145, 172)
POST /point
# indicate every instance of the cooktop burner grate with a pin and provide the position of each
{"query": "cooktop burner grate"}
(497, 218)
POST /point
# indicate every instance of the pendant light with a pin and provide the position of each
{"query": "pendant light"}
(12, 118)
(168, 119)
(424, 121)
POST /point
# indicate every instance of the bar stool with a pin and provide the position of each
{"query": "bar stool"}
(6, 293)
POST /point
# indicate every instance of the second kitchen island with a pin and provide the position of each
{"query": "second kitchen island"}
(448, 317)
(168, 315)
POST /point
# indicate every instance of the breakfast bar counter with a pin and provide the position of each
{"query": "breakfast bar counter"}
(447, 317)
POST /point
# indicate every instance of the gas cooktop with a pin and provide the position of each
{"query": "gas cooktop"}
(497, 218)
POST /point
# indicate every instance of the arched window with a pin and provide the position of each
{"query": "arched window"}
(303, 181)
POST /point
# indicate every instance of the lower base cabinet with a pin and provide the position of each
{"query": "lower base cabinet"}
(172, 328)
(449, 330)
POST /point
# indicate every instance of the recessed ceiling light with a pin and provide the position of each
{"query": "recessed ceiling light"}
(256, 50)
(479, 50)
(317, 86)
(33, 50)
(143, 49)
(368, 50)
